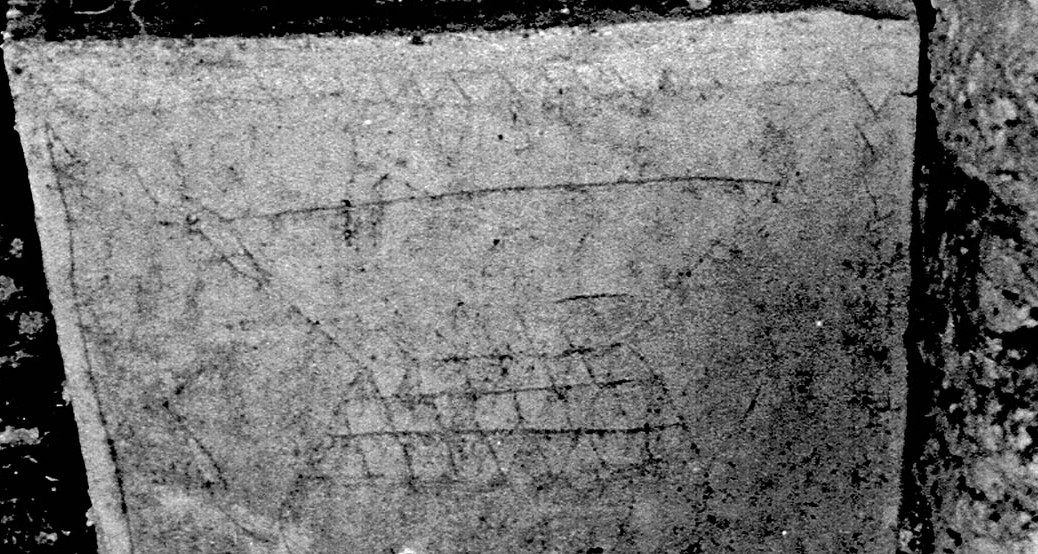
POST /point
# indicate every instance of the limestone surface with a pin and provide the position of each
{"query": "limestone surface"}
(637, 289)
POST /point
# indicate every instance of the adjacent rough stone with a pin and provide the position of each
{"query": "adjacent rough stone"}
(976, 331)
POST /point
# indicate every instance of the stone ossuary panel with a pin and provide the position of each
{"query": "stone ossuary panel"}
(637, 289)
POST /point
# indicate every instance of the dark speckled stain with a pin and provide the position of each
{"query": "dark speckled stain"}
(43, 496)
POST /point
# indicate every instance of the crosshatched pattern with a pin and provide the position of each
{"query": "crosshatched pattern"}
(635, 290)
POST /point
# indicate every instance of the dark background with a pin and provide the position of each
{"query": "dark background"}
(72, 19)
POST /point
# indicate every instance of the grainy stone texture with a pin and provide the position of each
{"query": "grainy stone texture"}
(637, 290)
(977, 325)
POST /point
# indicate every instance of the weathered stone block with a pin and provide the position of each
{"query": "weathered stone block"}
(637, 290)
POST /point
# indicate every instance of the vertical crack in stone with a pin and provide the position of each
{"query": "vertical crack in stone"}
(925, 310)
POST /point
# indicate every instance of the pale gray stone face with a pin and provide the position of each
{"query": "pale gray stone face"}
(638, 290)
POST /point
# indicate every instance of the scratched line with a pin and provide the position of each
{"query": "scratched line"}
(614, 472)
(115, 107)
(455, 393)
(735, 183)
(514, 431)
(592, 349)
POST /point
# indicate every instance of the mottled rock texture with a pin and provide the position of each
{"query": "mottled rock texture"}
(974, 482)
(636, 290)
